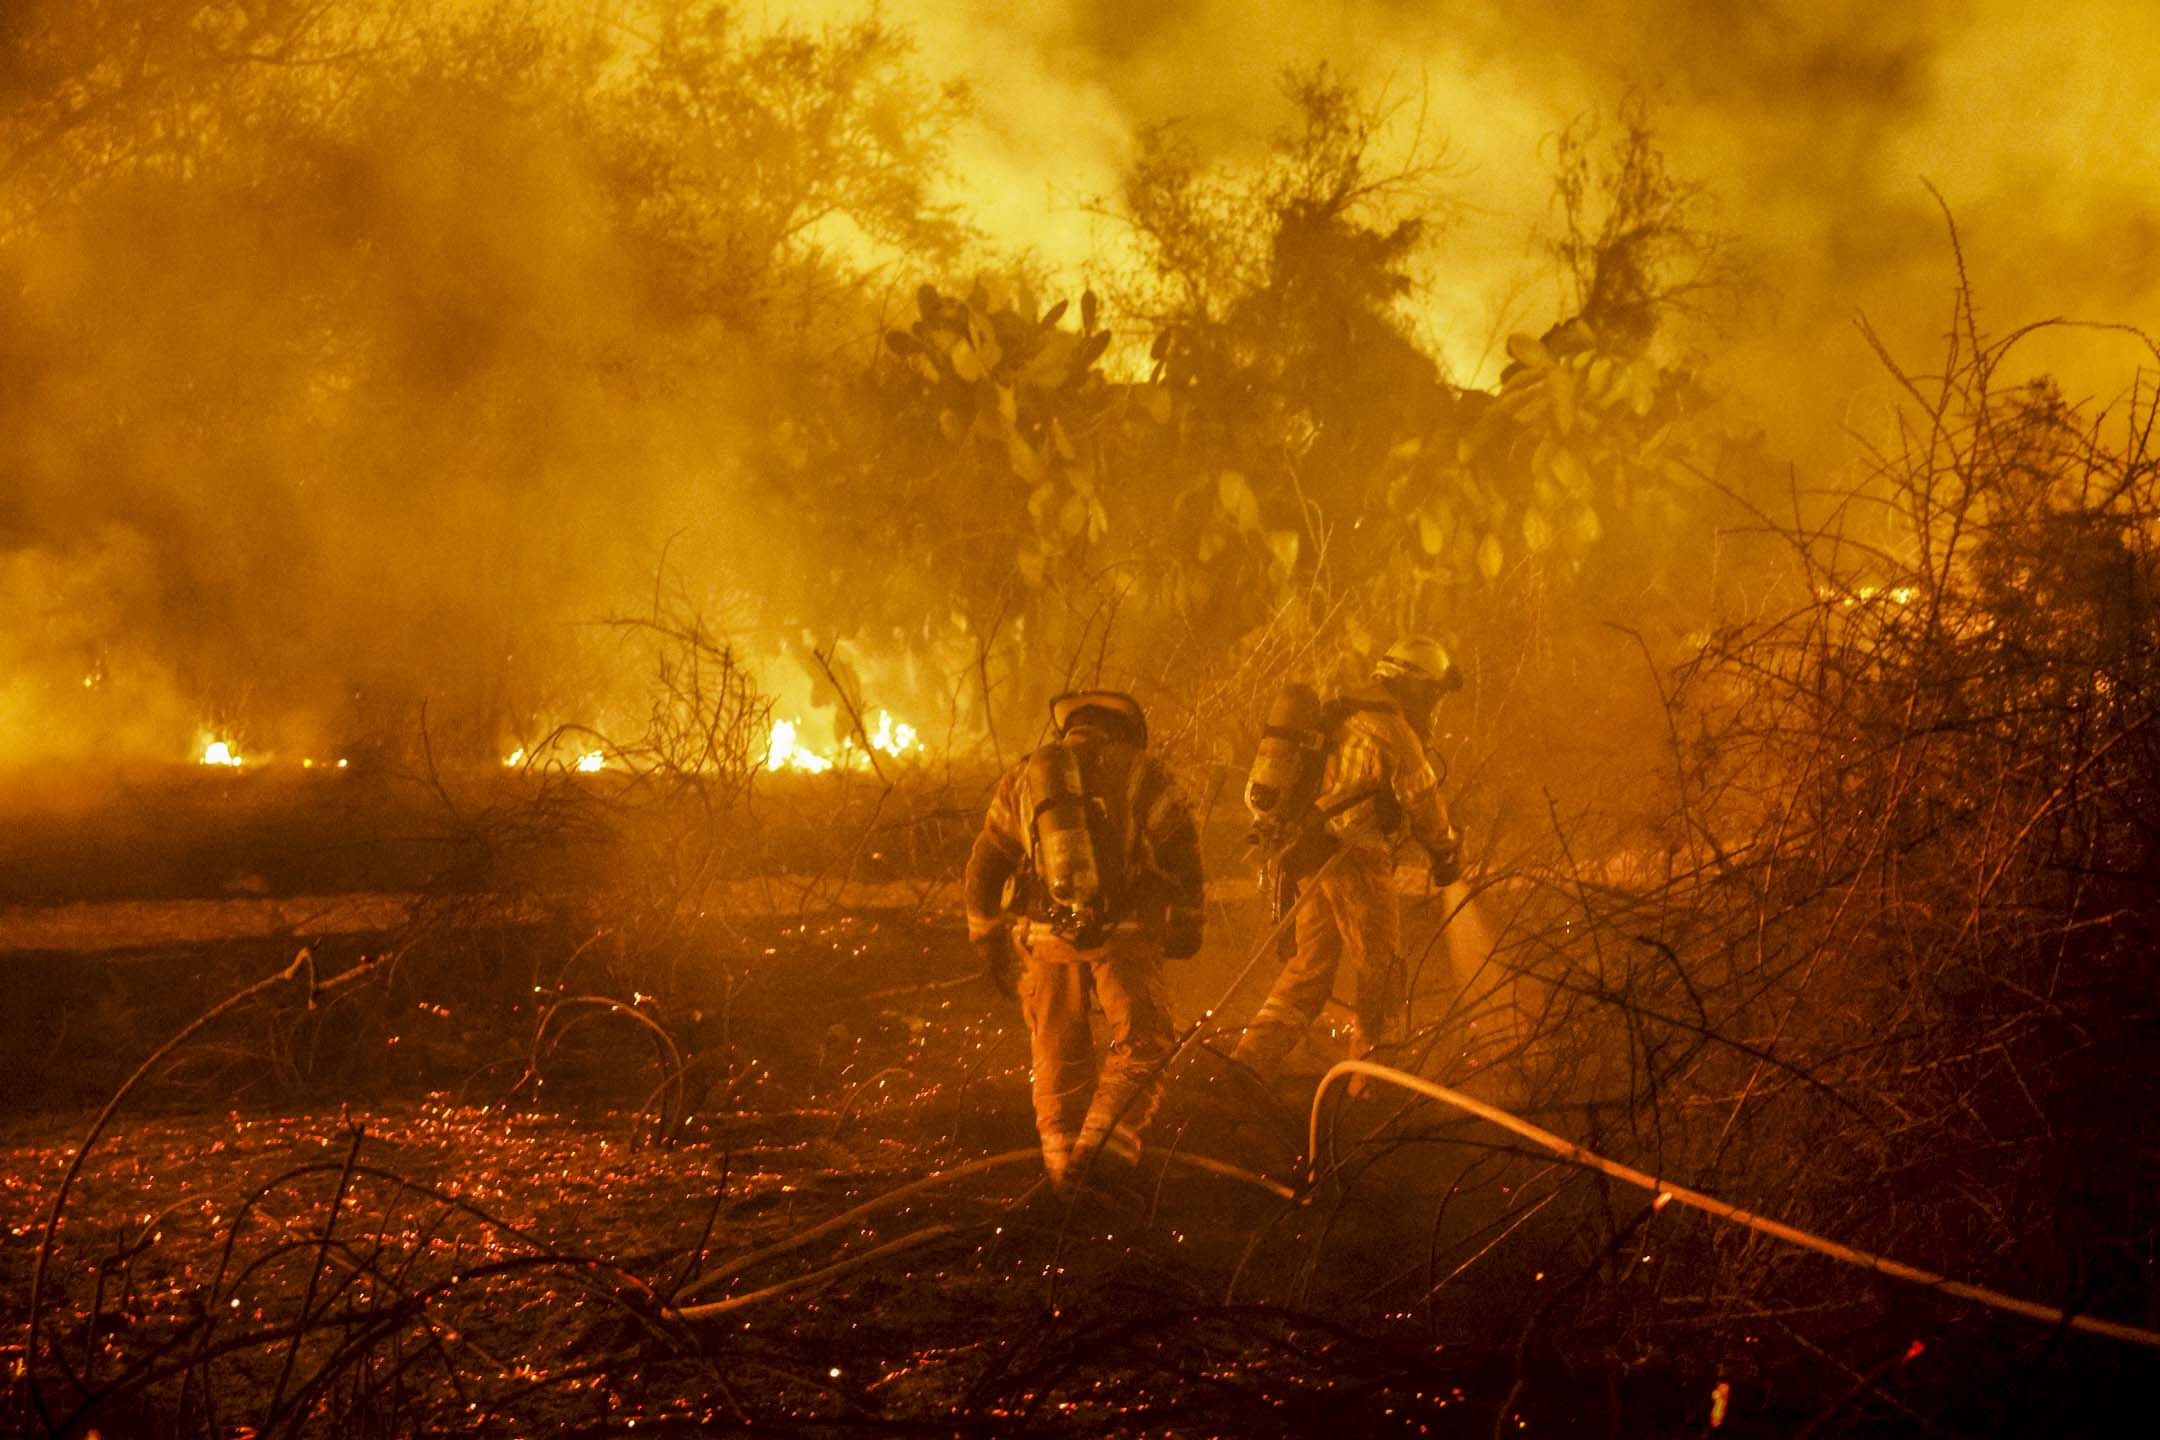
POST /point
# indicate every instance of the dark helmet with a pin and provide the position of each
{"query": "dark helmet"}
(1113, 709)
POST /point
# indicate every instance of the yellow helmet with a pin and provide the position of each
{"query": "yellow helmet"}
(1418, 660)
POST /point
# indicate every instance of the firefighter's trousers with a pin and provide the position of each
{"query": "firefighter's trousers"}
(1078, 1109)
(1348, 920)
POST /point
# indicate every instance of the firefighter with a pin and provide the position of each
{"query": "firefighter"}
(1376, 787)
(1086, 874)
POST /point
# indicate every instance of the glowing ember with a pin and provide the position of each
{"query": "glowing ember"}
(515, 758)
(220, 752)
(592, 760)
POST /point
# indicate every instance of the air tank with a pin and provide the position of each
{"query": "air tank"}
(1064, 850)
(1284, 769)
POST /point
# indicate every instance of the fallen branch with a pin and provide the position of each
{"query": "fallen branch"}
(815, 1278)
(303, 963)
(847, 1217)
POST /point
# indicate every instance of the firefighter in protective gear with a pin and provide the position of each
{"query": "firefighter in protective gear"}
(1377, 786)
(1073, 913)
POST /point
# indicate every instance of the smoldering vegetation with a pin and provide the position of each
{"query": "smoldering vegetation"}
(428, 386)
(360, 357)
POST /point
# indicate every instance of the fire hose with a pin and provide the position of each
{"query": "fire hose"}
(1667, 1192)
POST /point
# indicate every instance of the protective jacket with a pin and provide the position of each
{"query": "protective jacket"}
(1350, 920)
(1148, 847)
(1147, 855)
(1373, 746)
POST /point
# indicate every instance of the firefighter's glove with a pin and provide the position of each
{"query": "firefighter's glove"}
(1446, 860)
(1000, 962)
(1181, 931)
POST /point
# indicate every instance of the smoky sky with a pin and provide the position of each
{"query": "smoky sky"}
(388, 408)
(371, 412)
(1812, 124)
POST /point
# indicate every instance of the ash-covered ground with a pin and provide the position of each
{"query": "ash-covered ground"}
(498, 1265)
(454, 1173)
(444, 1199)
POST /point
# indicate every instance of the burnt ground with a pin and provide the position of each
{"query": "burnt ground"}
(388, 1208)
(1145, 1303)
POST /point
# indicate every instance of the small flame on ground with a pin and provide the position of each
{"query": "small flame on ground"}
(785, 750)
(1895, 594)
(220, 752)
(893, 737)
(586, 763)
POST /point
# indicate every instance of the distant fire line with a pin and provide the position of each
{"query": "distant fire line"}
(226, 754)
(784, 749)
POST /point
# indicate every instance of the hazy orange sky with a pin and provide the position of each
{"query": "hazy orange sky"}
(1812, 121)
(1814, 124)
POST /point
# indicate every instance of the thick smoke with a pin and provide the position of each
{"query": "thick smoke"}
(381, 396)
(377, 391)
(340, 437)
(1812, 125)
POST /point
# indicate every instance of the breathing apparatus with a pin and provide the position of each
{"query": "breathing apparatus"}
(1066, 825)
(1062, 846)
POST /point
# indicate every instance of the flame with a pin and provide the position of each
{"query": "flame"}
(786, 752)
(890, 736)
(885, 735)
(220, 752)
(894, 737)
(1867, 594)
(587, 763)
